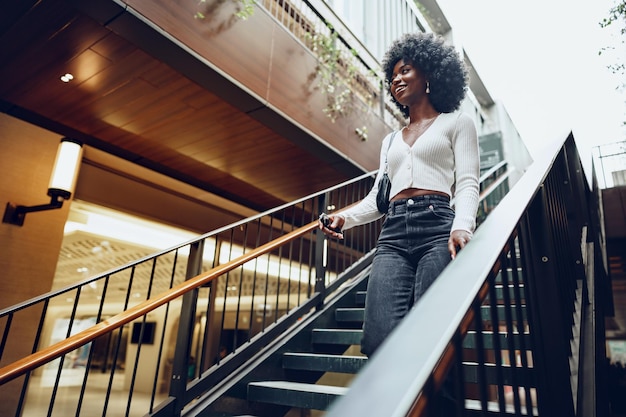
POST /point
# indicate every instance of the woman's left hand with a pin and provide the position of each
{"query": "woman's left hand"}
(458, 240)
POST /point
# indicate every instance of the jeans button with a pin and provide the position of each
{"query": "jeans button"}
(430, 207)
(410, 202)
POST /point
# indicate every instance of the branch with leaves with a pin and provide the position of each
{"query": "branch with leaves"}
(334, 67)
(617, 15)
(244, 11)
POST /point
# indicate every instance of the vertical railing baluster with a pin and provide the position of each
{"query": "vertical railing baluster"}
(279, 261)
(320, 256)
(267, 275)
(458, 374)
(162, 338)
(494, 307)
(254, 280)
(481, 372)
(312, 281)
(301, 243)
(57, 380)
(83, 387)
(525, 350)
(290, 260)
(5, 333)
(505, 271)
(244, 246)
(186, 321)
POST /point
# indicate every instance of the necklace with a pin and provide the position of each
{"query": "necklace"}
(421, 126)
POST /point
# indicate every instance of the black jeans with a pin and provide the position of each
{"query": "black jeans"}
(411, 252)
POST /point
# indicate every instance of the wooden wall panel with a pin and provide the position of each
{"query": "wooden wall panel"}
(287, 82)
(295, 88)
(241, 49)
(28, 254)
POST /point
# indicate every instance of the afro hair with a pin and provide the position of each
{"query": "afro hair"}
(440, 63)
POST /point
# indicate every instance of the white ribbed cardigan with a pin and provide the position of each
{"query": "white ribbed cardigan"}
(444, 158)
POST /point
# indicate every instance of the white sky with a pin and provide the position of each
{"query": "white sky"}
(541, 59)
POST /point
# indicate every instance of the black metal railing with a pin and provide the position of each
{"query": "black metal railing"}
(511, 326)
(154, 356)
(219, 294)
(494, 184)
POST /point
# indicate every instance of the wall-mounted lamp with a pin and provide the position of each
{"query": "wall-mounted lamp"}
(61, 185)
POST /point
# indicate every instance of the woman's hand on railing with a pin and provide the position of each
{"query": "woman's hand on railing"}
(331, 225)
(458, 240)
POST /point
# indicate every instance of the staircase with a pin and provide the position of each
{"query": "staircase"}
(306, 370)
(512, 338)
(315, 365)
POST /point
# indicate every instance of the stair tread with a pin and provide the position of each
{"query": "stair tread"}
(301, 387)
(337, 336)
(345, 314)
(323, 362)
(326, 355)
(338, 330)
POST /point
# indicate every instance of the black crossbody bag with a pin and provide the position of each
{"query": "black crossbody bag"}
(384, 186)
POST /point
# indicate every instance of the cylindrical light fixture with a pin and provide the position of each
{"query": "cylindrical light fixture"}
(61, 186)
(65, 170)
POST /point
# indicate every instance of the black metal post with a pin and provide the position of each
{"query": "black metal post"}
(320, 249)
(180, 366)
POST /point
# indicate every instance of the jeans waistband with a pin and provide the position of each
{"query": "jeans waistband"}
(417, 200)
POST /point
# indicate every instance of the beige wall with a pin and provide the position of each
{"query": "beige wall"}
(28, 254)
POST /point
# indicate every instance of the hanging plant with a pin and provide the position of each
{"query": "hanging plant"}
(335, 70)
(337, 73)
(245, 8)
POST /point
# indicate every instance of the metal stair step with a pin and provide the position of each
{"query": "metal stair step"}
(323, 362)
(359, 298)
(337, 336)
(474, 408)
(294, 394)
(485, 312)
(515, 342)
(350, 314)
(520, 276)
(511, 290)
(514, 376)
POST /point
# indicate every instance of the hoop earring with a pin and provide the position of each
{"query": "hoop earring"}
(427, 87)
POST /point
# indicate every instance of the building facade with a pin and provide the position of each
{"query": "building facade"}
(194, 115)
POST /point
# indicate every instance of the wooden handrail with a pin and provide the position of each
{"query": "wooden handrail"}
(77, 340)
(39, 358)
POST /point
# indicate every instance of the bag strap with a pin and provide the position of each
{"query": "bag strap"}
(389, 147)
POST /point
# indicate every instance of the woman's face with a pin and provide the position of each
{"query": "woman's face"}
(407, 83)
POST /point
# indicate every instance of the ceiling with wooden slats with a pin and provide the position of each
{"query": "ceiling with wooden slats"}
(126, 102)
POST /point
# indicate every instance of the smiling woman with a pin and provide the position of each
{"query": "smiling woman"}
(434, 158)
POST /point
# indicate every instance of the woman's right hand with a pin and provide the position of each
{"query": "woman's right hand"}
(334, 227)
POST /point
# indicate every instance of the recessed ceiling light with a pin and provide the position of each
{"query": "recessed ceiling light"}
(67, 77)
